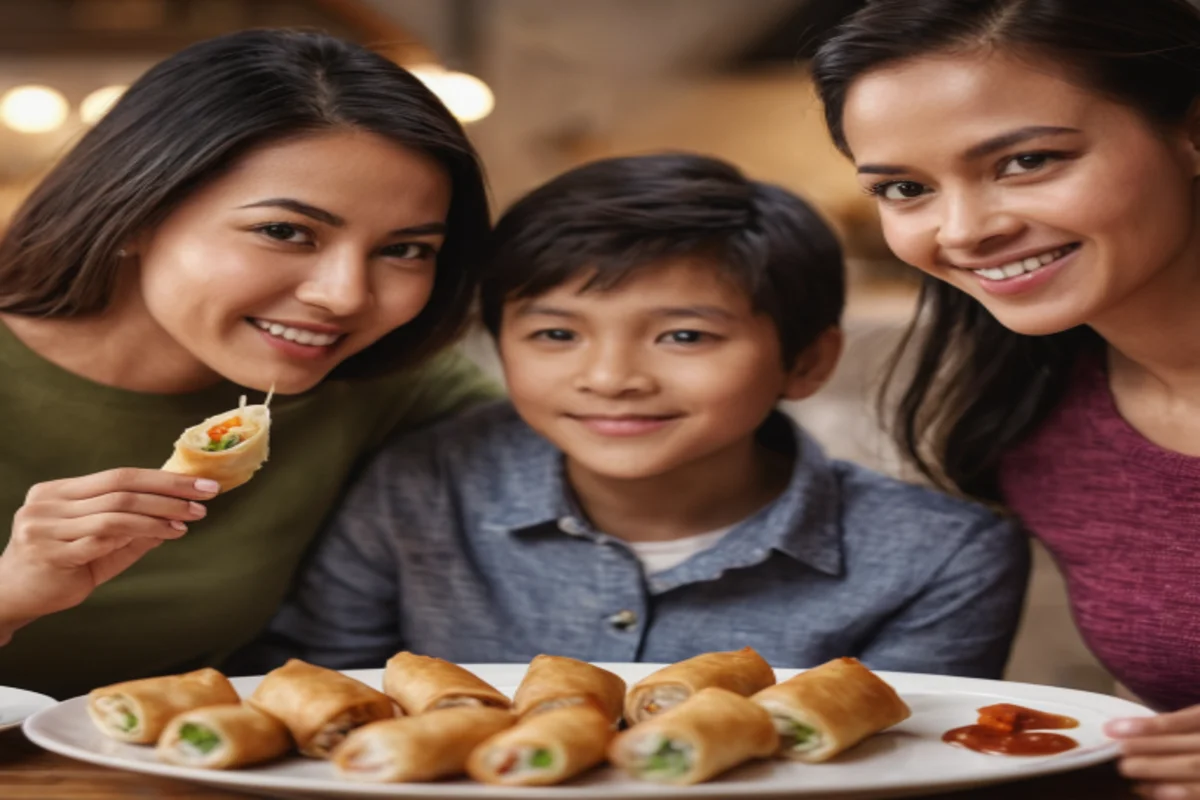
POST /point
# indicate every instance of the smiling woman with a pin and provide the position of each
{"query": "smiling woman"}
(266, 208)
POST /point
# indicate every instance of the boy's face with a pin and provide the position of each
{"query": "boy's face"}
(669, 368)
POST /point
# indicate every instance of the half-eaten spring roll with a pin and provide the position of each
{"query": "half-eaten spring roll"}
(228, 448)
(556, 681)
(223, 737)
(422, 748)
(742, 671)
(137, 711)
(422, 683)
(828, 709)
(713, 731)
(319, 706)
(545, 748)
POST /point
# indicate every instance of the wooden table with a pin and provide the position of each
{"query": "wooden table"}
(29, 773)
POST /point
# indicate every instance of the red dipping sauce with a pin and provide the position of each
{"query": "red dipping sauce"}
(1011, 730)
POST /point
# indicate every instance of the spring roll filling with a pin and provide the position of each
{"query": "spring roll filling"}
(463, 701)
(521, 760)
(662, 757)
(795, 735)
(118, 713)
(662, 698)
(221, 436)
(332, 733)
(197, 740)
(371, 757)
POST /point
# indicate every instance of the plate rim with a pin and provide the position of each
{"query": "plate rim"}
(42, 701)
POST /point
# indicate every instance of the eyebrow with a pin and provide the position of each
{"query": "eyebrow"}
(329, 218)
(984, 148)
(674, 312)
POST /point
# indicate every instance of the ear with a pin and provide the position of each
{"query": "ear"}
(815, 365)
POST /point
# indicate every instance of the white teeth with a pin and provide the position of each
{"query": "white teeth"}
(1016, 268)
(298, 335)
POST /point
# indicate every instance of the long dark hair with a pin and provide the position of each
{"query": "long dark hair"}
(976, 387)
(191, 117)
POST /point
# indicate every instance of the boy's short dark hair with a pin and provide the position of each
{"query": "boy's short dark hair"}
(619, 215)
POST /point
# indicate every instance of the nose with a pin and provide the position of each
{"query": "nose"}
(339, 282)
(613, 369)
(972, 221)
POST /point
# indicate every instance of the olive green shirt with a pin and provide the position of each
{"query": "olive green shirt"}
(192, 601)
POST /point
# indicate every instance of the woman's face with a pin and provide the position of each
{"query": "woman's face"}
(1050, 204)
(303, 254)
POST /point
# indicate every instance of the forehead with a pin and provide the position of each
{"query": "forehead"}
(951, 102)
(344, 171)
(671, 281)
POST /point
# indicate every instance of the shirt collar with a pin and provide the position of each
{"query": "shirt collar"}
(804, 522)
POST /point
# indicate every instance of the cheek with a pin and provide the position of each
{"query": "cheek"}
(909, 238)
(739, 385)
(402, 296)
(189, 282)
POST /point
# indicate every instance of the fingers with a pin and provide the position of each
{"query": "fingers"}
(1184, 768)
(115, 526)
(1184, 721)
(150, 505)
(123, 551)
(125, 479)
(1179, 744)
(1168, 791)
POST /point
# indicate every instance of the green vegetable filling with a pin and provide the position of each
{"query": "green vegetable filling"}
(202, 738)
(128, 722)
(803, 735)
(541, 759)
(224, 443)
(669, 760)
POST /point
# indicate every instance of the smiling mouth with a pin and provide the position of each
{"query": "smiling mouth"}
(1015, 269)
(623, 424)
(296, 335)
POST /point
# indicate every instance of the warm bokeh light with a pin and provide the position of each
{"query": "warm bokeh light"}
(468, 98)
(33, 109)
(97, 104)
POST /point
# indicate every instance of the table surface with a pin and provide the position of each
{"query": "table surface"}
(28, 772)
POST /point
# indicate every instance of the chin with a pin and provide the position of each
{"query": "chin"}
(1032, 323)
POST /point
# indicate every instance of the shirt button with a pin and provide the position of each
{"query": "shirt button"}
(623, 620)
(570, 525)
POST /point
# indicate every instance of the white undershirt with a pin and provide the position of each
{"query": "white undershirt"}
(661, 556)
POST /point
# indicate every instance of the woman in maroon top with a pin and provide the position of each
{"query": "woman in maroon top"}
(1039, 161)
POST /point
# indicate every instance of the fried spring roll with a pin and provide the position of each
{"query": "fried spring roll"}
(544, 749)
(713, 731)
(829, 709)
(555, 681)
(228, 448)
(223, 737)
(137, 711)
(421, 748)
(422, 683)
(742, 671)
(319, 706)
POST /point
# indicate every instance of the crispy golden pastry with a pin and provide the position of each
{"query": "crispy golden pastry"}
(742, 671)
(829, 709)
(137, 711)
(223, 737)
(319, 706)
(544, 748)
(421, 748)
(228, 448)
(712, 731)
(422, 683)
(556, 681)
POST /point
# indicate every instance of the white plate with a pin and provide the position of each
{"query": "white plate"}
(18, 704)
(908, 759)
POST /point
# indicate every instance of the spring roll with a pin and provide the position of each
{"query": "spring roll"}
(555, 681)
(319, 706)
(421, 683)
(742, 671)
(544, 749)
(829, 709)
(228, 448)
(713, 731)
(421, 748)
(223, 737)
(137, 711)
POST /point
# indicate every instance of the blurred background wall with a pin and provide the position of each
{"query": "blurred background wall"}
(543, 85)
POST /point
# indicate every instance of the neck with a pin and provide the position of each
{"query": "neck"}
(715, 492)
(122, 346)
(1155, 335)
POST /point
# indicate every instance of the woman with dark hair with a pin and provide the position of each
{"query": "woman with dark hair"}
(265, 208)
(1038, 160)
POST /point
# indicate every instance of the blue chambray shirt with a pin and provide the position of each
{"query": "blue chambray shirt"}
(462, 541)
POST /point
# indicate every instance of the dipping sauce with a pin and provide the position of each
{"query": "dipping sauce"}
(1011, 730)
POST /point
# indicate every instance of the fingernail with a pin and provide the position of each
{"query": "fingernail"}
(206, 485)
(1123, 727)
(1169, 793)
(197, 510)
(177, 525)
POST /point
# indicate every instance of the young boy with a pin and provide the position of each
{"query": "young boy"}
(640, 498)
